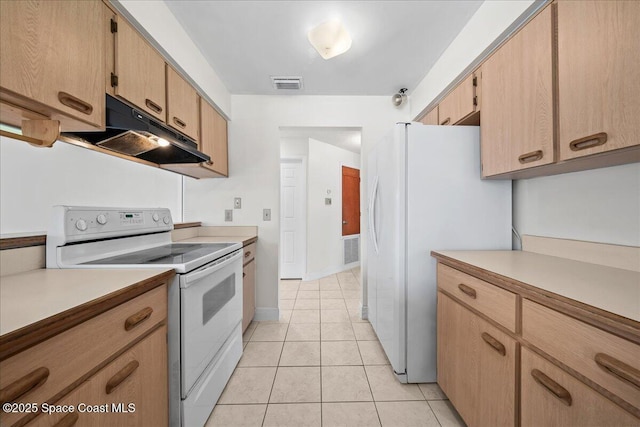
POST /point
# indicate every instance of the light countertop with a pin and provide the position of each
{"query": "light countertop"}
(30, 297)
(610, 289)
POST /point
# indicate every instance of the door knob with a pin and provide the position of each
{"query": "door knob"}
(344, 222)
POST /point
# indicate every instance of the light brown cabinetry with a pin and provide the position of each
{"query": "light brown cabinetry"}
(139, 75)
(43, 372)
(248, 285)
(53, 61)
(431, 118)
(598, 76)
(476, 365)
(517, 129)
(460, 103)
(551, 397)
(130, 391)
(182, 105)
(213, 139)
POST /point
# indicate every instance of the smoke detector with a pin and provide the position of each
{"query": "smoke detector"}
(292, 83)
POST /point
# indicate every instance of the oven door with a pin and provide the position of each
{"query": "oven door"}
(210, 309)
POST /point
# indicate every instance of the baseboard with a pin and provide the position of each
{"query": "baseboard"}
(329, 271)
(266, 313)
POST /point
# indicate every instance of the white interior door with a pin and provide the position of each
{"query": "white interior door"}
(293, 218)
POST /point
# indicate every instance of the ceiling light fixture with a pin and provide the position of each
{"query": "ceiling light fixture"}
(399, 97)
(330, 39)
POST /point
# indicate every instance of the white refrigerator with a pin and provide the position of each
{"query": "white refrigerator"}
(424, 194)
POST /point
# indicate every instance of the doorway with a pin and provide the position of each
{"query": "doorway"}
(350, 201)
(293, 218)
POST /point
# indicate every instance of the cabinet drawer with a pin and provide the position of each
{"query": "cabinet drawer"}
(130, 391)
(551, 397)
(249, 253)
(65, 358)
(490, 300)
(579, 345)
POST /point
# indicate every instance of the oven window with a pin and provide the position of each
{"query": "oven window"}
(216, 298)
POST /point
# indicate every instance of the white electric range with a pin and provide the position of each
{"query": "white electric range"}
(204, 299)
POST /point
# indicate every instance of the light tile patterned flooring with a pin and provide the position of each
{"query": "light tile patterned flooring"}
(322, 365)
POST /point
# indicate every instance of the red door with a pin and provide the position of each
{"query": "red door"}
(350, 201)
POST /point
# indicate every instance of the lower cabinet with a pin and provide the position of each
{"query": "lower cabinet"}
(248, 286)
(476, 366)
(551, 397)
(130, 391)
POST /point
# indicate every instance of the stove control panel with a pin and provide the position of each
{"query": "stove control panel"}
(78, 223)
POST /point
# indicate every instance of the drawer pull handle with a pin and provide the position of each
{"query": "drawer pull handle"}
(179, 122)
(155, 107)
(468, 290)
(75, 103)
(588, 142)
(68, 420)
(244, 275)
(210, 162)
(121, 375)
(494, 343)
(445, 121)
(136, 319)
(556, 389)
(248, 254)
(619, 369)
(533, 156)
(18, 388)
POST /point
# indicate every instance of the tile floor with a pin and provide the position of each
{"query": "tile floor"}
(322, 365)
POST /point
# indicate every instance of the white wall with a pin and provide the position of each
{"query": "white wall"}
(294, 147)
(324, 222)
(34, 179)
(254, 164)
(156, 18)
(601, 205)
(484, 27)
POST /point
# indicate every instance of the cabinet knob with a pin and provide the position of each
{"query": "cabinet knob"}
(494, 343)
(153, 106)
(533, 156)
(22, 386)
(136, 319)
(445, 121)
(75, 103)
(553, 387)
(179, 122)
(467, 290)
(619, 369)
(121, 375)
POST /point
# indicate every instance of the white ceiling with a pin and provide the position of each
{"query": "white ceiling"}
(395, 43)
(348, 138)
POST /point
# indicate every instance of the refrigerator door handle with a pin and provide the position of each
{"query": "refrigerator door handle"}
(372, 215)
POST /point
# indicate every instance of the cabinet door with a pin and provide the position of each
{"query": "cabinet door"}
(431, 118)
(552, 397)
(138, 378)
(213, 138)
(140, 70)
(460, 103)
(476, 366)
(248, 293)
(182, 105)
(517, 101)
(54, 53)
(598, 76)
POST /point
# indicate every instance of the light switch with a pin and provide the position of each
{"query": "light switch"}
(237, 203)
(228, 215)
(266, 214)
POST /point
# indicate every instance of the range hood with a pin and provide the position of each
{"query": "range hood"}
(136, 134)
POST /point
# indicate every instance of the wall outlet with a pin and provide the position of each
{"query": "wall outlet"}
(237, 203)
(327, 200)
(266, 214)
(228, 215)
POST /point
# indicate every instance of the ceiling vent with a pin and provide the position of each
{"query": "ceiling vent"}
(294, 83)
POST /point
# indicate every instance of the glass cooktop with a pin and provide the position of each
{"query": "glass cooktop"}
(176, 253)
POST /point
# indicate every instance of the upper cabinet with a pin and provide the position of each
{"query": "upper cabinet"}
(517, 101)
(139, 73)
(53, 61)
(431, 118)
(460, 103)
(182, 104)
(598, 76)
(214, 138)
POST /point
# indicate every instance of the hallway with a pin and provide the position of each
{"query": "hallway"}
(322, 365)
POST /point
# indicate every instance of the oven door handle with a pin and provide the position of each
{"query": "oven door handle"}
(194, 276)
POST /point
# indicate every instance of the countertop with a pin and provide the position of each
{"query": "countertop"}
(612, 290)
(31, 298)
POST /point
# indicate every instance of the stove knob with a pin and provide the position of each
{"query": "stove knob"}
(166, 220)
(102, 219)
(156, 217)
(81, 224)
